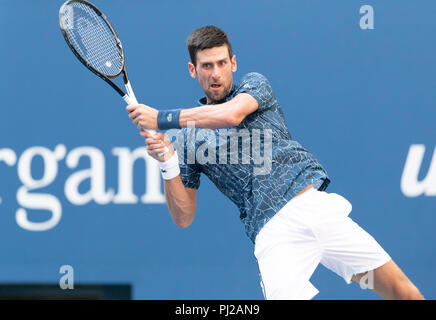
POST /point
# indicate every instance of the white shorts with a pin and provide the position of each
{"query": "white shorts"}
(312, 228)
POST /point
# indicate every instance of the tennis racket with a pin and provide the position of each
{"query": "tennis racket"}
(93, 40)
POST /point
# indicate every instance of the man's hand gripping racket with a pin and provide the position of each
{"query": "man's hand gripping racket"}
(93, 40)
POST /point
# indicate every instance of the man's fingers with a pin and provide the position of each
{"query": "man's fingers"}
(153, 140)
(153, 146)
(153, 136)
(131, 107)
(146, 134)
(156, 149)
(159, 150)
(134, 114)
(159, 136)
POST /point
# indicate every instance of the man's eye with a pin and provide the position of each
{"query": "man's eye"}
(222, 63)
(206, 65)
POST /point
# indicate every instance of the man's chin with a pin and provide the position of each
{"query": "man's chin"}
(216, 97)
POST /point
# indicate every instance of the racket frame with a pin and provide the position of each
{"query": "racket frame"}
(128, 96)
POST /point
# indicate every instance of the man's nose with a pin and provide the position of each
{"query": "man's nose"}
(216, 72)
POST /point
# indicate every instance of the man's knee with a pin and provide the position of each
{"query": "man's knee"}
(390, 282)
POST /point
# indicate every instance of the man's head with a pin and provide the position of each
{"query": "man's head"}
(212, 61)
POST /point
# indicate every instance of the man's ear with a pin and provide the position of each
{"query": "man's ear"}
(192, 70)
(234, 64)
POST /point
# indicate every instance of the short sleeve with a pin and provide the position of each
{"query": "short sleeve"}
(259, 88)
(189, 172)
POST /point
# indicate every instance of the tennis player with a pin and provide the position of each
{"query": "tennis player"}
(293, 222)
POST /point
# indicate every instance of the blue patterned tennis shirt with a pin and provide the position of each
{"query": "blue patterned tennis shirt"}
(256, 164)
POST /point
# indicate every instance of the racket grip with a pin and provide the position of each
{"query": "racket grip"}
(132, 100)
(153, 131)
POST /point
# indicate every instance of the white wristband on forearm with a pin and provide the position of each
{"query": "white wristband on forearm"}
(170, 168)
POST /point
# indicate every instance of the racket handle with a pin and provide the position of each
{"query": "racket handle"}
(132, 100)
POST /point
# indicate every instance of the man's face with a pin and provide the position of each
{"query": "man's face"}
(214, 71)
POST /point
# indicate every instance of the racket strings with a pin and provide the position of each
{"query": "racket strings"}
(93, 39)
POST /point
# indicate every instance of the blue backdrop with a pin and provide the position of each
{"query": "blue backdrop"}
(361, 100)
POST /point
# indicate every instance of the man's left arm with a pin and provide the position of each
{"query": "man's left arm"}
(227, 114)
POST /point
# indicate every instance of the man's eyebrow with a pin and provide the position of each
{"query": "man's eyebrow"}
(210, 61)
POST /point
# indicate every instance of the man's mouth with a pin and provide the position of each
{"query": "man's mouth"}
(215, 86)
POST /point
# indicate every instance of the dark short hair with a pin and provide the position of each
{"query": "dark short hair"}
(205, 38)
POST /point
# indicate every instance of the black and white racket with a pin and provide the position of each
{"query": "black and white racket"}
(93, 40)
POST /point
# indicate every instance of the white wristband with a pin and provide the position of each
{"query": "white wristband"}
(170, 168)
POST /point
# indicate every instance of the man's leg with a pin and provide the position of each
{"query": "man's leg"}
(287, 253)
(389, 282)
(351, 252)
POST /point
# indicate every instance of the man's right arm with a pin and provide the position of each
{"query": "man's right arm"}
(181, 200)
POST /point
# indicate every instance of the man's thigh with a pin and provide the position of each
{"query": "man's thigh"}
(287, 253)
(347, 249)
